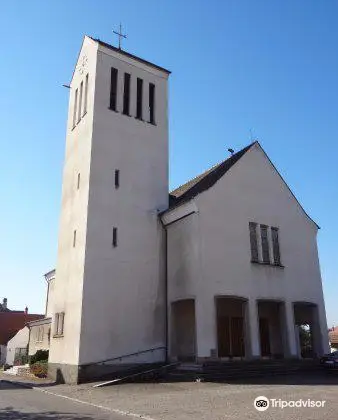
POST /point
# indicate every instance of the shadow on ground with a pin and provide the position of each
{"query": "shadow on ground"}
(10, 413)
(328, 378)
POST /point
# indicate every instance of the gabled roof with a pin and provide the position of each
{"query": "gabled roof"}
(11, 322)
(204, 181)
(125, 53)
(207, 179)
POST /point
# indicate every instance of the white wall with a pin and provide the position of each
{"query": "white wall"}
(113, 298)
(67, 293)
(20, 340)
(124, 286)
(209, 252)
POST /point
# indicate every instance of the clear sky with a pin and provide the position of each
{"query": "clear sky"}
(239, 65)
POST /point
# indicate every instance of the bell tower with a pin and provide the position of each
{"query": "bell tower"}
(109, 294)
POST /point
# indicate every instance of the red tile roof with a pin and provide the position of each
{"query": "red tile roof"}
(13, 321)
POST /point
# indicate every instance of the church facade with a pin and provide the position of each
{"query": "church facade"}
(224, 267)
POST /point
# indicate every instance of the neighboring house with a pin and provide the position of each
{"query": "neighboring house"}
(40, 330)
(10, 323)
(225, 266)
(333, 338)
(17, 346)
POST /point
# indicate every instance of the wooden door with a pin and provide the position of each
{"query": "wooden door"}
(237, 337)
(223, 336)
(264, 336)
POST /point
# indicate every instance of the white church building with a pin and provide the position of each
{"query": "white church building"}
(224, 267)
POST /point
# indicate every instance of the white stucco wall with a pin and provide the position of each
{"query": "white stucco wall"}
(123, 306)
(67, 293)
(209, 251)
(113, 298)
(20, 340)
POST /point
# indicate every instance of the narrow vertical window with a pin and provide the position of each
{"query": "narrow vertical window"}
(78, 180)
(253, 241)
(126, 94)
(61, 323)
(80, 102)
(113, 88)
(75, 108)
(265, 244)
(117, 178)
(86, 95)
(114, 237)
(139, 98)
(275, 245)
(151, 103)
(56, 323)
(74, 238)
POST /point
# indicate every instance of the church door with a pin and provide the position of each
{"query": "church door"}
(230, 332)
(264, 337)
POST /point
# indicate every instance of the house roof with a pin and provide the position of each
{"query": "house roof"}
(204, 181)
(13, 321)
(125, 53)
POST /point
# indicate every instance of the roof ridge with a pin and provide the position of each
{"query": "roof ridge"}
(127, 54)
(193, 184)
(198, 176)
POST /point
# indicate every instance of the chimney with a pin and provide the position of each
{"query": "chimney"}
(4, 303)
(26, 310)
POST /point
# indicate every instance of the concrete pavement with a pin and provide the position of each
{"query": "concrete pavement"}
(179, 401)
(19, 403)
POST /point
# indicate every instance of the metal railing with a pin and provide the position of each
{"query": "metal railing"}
(124, 356)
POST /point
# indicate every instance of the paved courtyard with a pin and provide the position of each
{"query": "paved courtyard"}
(183, 401)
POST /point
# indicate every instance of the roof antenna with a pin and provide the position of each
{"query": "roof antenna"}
(231, 151)
(252, 137)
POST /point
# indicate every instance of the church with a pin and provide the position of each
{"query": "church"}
(223, 268)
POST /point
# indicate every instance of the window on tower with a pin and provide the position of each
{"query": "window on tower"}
(80, 102)
(113, 88)
(139, 97)
(114, 237)
(85, 95)
(151, 103)
(75, 108)
(126, 94)
(117, 178)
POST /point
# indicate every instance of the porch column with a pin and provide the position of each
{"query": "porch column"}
(319, 331)
(323, 328)
(252, 336)
(206, 342)
(290, 348)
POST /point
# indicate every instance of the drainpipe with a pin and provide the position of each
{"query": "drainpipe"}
(166, 290)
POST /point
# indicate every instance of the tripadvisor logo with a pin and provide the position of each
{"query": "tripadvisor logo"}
(262, 403)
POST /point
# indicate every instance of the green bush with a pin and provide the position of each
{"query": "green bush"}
(40, 369)
(40, 355)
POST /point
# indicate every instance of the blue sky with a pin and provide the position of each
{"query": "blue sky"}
(240, 65)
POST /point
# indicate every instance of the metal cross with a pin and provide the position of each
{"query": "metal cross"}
(120, 35)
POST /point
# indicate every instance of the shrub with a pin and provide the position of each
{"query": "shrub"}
(40, 355)
(40, 369)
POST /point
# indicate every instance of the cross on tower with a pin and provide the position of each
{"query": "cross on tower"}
(120, 35)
